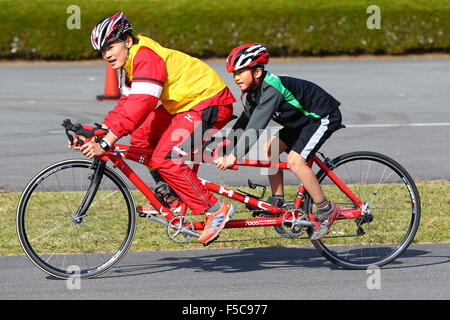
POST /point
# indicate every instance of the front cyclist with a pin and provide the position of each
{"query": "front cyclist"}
(308, 114)
(194, 98)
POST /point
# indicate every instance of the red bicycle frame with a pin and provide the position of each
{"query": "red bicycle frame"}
(119, 152)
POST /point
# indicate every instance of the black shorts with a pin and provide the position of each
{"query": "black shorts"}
(307, 139)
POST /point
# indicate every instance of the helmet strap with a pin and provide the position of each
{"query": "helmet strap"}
(255, 82)
(125, 46)
(121, 70)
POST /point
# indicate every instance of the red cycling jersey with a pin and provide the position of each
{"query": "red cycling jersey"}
(194, 99)
(155, 73)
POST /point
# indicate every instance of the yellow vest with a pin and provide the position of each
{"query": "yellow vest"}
(188, 80)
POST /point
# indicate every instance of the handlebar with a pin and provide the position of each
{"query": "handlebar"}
(86, 131)
(221, 145)
(90, 132)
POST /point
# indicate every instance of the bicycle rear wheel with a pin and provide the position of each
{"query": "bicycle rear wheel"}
(392, 211)
(60, 242)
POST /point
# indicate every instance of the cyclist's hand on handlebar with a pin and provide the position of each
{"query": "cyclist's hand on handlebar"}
(224, 163)
(92, 149)
(75, 145)
(79, 134)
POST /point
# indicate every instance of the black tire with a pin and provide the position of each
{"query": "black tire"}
(394, 211)
(66, 247)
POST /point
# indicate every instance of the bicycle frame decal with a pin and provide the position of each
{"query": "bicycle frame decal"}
(236, 195)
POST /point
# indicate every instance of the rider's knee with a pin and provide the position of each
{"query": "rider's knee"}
(295, 160)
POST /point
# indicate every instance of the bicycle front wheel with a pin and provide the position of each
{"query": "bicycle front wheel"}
(54, 235)
(391, 211)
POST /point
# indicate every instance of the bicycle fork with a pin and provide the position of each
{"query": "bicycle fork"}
(96, 179)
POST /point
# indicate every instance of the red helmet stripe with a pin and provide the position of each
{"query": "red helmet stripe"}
(246, 56)
(109, 29)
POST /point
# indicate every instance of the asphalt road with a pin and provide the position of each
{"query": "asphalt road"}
(422, 272)
(397, 107)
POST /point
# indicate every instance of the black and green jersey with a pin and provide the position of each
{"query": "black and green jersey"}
(290, 102)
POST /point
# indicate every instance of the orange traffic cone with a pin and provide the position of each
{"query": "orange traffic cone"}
(112, 91)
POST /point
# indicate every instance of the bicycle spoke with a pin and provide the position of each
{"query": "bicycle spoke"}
(59, 243)
(49, 231)
(386, 231)
(102, 199)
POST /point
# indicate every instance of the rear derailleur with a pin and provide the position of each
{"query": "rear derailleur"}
(365, 217)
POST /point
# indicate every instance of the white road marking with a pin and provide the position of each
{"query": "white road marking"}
(384, 125)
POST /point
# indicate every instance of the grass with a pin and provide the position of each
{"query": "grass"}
(206, 28)
(434, 224)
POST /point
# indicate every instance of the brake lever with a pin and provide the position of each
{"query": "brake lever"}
(67, 124)
(77, 129)
(87, 132)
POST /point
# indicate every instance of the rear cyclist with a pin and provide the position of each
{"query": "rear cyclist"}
(308, 114)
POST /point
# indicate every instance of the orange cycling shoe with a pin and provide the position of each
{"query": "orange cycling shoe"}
(215, 221)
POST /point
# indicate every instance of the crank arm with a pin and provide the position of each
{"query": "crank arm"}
(303, 223)
(154, 218)
(183, 230)
(189, 232)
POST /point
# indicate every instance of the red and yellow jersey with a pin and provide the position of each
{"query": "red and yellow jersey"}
(153, 73)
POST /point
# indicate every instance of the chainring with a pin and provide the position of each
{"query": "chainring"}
(175, 227)
(287, 229)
